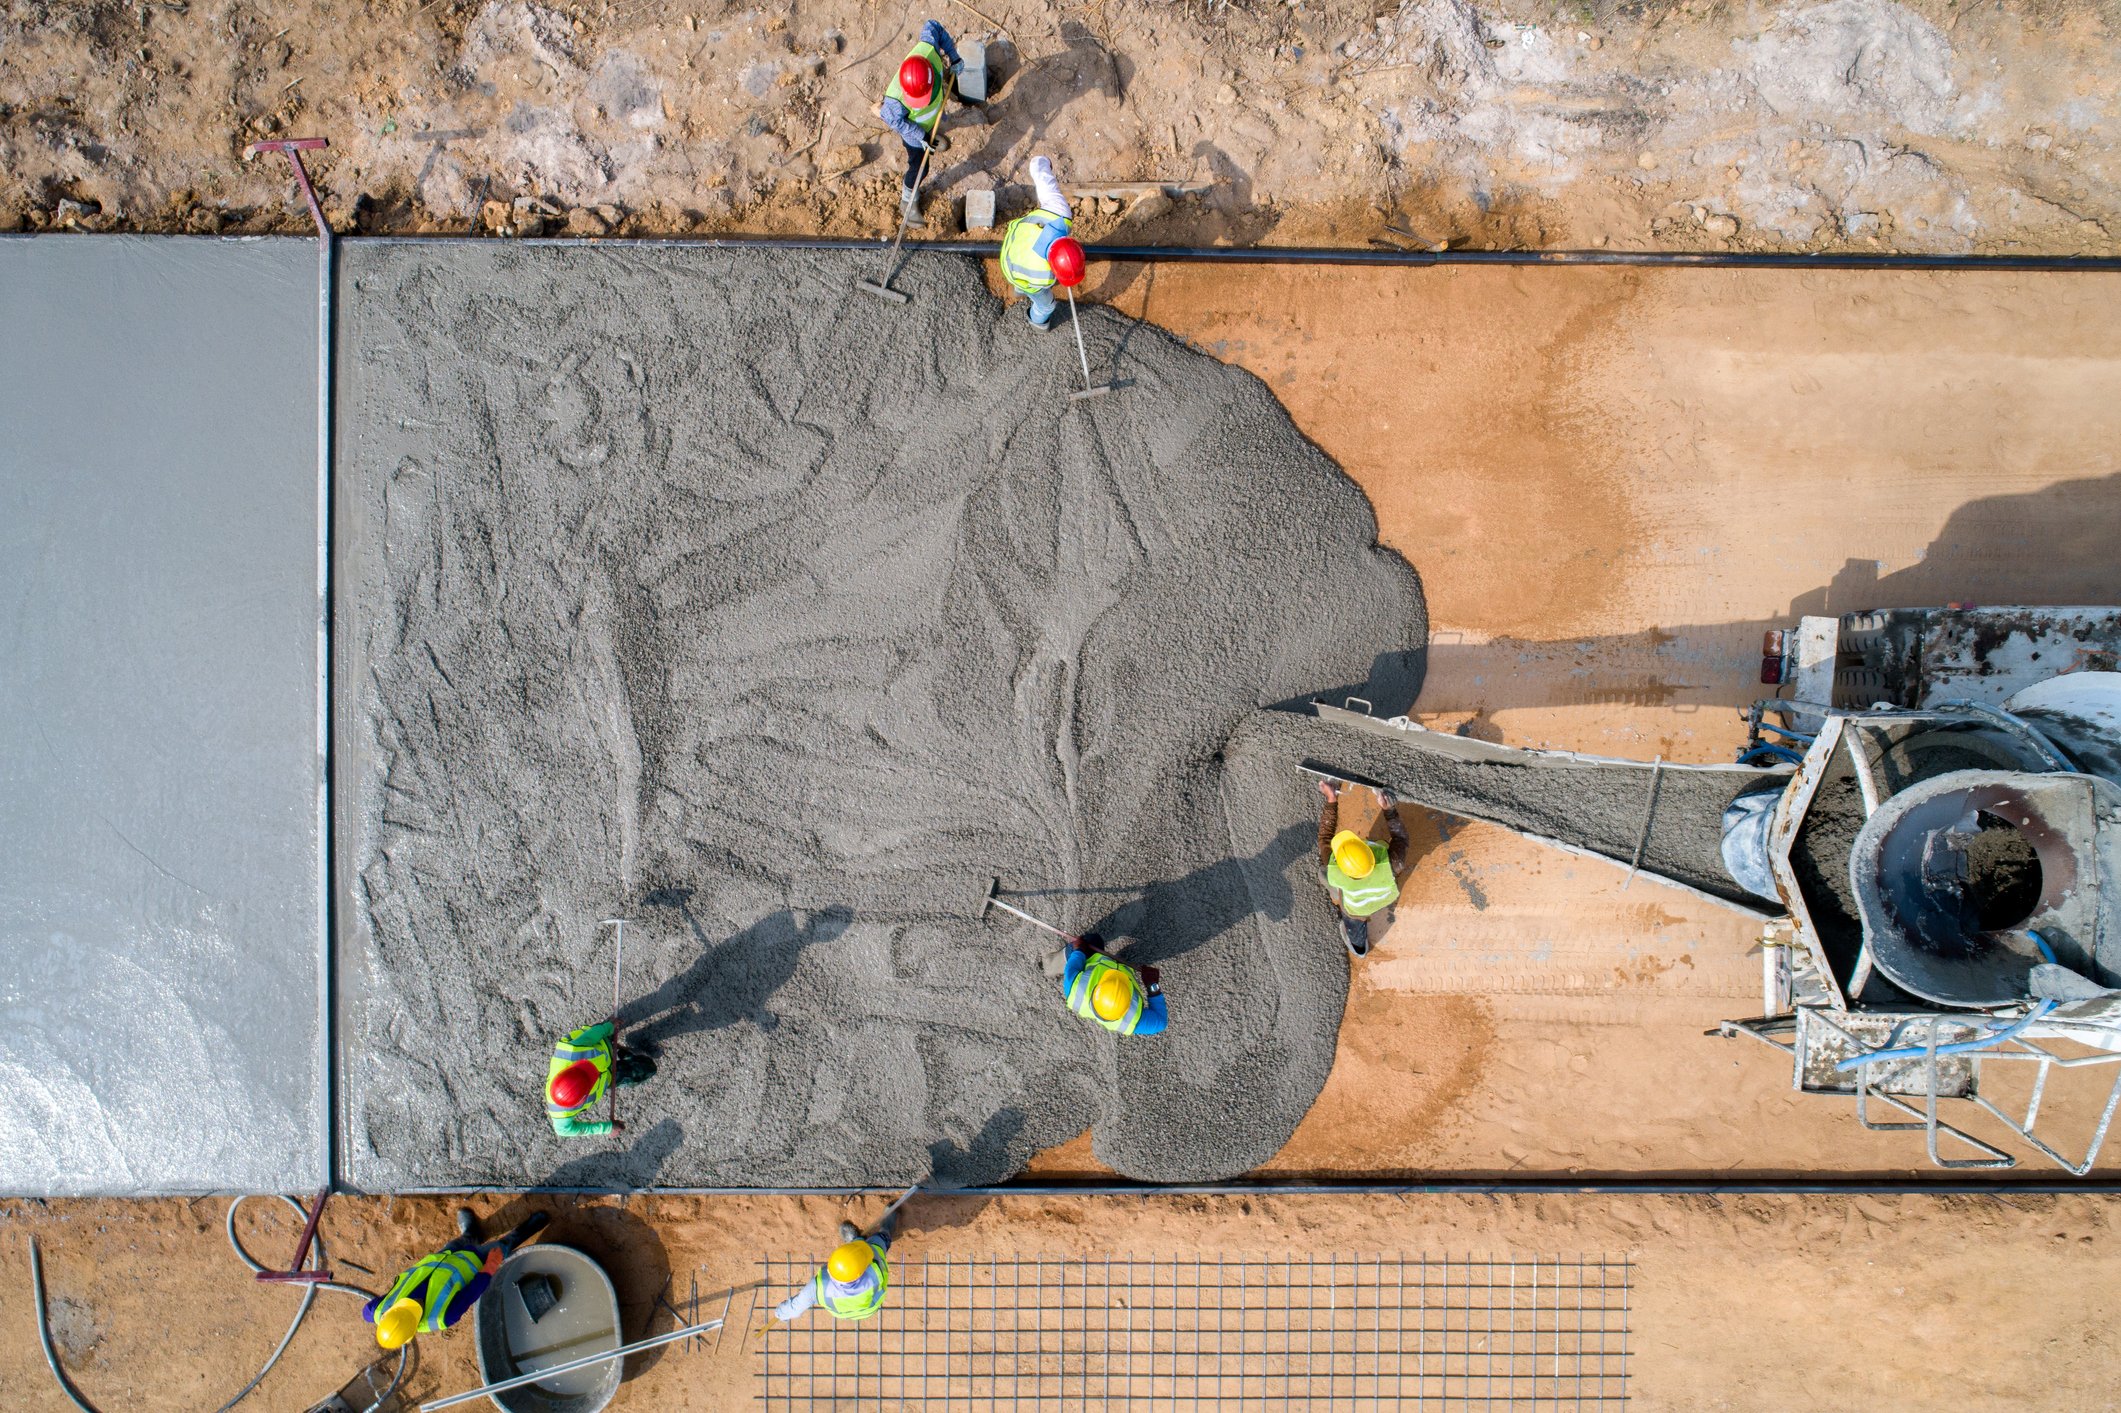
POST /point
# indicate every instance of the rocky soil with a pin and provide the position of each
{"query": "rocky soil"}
(1849, 124)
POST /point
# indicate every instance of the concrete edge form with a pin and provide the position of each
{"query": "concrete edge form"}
(1330, 255)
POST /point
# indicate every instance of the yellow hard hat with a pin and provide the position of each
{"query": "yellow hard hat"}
(398, 1324)
(1113, 994)
(848, 1261)
(1352, 852)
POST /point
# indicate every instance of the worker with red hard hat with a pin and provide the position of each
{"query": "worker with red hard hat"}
(1039, 250)
(585, 1063)
(913, 107)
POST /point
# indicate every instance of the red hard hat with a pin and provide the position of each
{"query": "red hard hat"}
(572, 1085)
(1066, 257)
(916, 78)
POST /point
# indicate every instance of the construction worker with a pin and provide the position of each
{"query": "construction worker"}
(1106, 990)
(851, 1283)
(1362, 875)
(1037, 249)
(584, 1064)
(438, 1290)
(913, 108)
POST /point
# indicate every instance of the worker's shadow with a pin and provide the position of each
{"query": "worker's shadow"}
(938, 1208)
(733, 980)
(1028, 99)
(622, 1170)
(1170, 918)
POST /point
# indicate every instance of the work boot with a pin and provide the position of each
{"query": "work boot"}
(1045, 328)
(909, 207)
(1355, 931)
(849, 1232)
(467, 1223)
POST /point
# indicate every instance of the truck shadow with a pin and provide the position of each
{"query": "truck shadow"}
(2041, 549)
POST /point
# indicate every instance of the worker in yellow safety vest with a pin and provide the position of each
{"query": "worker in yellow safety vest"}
(439, 1289)
(585, 1063)
(913, 108)
(1103, 989)
(1362, 875)
(1038, 249)
(851, 1283)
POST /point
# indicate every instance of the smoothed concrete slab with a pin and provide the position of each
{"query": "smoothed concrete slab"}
(159, 767)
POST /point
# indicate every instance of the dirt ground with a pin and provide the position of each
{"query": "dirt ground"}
(1611, 482)
(1761, 1302)
(1865, 125)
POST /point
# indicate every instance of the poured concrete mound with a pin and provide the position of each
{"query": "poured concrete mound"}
(697, 587)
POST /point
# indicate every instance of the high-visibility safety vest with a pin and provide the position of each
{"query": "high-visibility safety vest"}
(570, 1050)
(925, 117)
(863, 1298)
(1086, 986)
(434, 1281)
(1025, 246)
(1373, 893)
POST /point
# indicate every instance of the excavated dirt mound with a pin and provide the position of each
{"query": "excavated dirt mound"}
(695, 586)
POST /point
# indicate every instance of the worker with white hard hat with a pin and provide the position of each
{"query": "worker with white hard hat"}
(1362, 874)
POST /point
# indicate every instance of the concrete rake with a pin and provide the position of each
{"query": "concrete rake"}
(882, 288)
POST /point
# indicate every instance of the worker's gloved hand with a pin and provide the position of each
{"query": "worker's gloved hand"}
(1384, 799)
(618, 1125)
(1092, 943)
(1154, 979)
(493, 1259)
(1325, 787)
(957, 68)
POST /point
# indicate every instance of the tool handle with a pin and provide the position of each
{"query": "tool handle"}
(1076, 324)
(905, 217)
(1035, 922)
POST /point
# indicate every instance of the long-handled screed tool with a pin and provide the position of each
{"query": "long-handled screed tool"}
(993, 900)
(882, 289)
(1083, 353)
(618, 958)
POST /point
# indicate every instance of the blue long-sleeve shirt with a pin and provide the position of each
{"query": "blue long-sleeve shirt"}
(1155, 1014)
(894, 112)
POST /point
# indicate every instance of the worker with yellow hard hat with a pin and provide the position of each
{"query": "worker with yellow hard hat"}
(1107, 991)
(1362, 874)
(439, 1289)
(851, 1283)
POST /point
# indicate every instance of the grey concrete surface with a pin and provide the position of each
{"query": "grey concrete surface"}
(696, 576)
(159, 770)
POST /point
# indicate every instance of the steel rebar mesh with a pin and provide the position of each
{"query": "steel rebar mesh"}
(1338, 1330)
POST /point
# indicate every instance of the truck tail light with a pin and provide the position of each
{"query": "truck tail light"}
(1774, 645)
